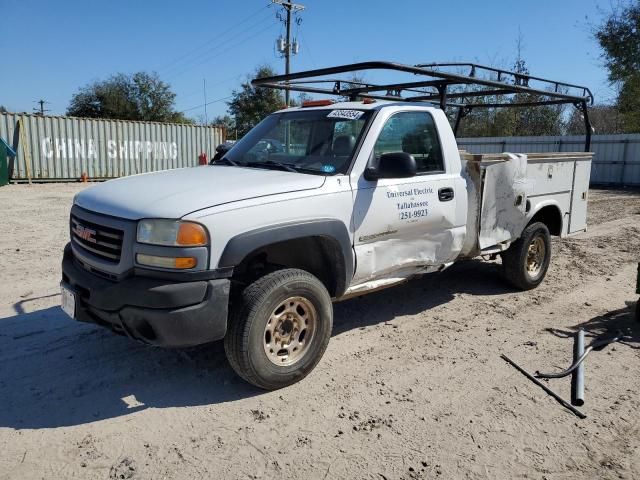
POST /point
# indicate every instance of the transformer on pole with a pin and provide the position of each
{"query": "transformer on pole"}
(284, 45)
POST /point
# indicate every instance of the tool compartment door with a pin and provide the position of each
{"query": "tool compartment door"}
(579, 194)
(504, 200)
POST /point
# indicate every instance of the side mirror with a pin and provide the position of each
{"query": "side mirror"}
(220, 151)
(392, 165)
(223, 148)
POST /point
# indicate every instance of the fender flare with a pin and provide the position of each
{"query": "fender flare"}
(245, 243)
(544, 204)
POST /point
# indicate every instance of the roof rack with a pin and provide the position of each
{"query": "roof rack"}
(433, 86)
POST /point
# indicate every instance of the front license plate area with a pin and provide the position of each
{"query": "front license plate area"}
(68, 302)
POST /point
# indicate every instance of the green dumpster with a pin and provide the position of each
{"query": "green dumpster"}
(5, 152)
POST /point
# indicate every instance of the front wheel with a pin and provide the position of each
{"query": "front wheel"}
(280, 329)
(526, 261)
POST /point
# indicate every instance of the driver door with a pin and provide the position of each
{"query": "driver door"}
(402, 225)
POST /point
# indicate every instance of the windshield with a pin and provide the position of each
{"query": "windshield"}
(313, 141)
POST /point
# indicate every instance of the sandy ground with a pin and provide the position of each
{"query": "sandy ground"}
(411, 386)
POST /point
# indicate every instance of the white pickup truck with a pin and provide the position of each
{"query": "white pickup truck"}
(315, 204)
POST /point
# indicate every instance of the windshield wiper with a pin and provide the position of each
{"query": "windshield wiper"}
(271, 163)
(227, 160)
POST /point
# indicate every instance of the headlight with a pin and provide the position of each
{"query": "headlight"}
(173, 233)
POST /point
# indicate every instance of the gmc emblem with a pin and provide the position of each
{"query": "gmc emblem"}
(85, 233)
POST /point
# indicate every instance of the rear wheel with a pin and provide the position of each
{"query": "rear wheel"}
(526, 261)
(280, 329)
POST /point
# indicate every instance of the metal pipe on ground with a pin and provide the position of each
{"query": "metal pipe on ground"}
(557, 397)
(595, 345)
(577, 379)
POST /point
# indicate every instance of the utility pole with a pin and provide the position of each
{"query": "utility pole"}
(285, 46)
(41, 110)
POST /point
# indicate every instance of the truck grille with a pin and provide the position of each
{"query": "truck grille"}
(101, 241)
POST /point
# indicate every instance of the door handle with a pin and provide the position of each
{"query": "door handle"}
(445, 194)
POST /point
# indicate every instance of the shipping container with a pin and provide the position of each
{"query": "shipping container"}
(64, 148)
(616, 159)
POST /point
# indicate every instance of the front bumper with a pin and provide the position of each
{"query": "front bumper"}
(155, 311)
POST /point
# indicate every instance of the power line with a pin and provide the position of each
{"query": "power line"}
(288, 48)
(221, 82)
(208, 103)
(304, 44)
(217, 54)
(211, 40)
(199, 91)
(206, 55)
(203, 56)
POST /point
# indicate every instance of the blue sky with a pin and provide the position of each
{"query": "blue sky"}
(51, 48)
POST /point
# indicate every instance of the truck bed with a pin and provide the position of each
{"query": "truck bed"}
(507, 189)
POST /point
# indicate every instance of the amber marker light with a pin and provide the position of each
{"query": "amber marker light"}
(191, 235)
(185, 262)
(317, 103)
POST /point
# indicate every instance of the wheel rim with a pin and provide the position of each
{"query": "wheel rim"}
(535, 256)
(290, 331)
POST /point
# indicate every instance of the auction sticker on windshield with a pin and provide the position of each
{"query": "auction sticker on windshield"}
(348, 114)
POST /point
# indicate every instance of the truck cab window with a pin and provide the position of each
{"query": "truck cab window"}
(414, 133)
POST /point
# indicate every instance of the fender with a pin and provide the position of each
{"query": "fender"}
(242, 245)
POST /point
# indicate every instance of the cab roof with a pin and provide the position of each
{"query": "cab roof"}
(378, 104)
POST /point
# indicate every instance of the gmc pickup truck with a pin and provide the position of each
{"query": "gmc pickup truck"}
(314, 205)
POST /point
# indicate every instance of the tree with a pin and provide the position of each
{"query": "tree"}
(228, 123)
(605, 119)
(513, 121)
(619, 37)
(534, 120)
(250, 104)
(629, 103)
(141, 96)
(301, 98)
(355, 80)
(2, 109)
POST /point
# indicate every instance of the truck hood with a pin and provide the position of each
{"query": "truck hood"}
(175, 193)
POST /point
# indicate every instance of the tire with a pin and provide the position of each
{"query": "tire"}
(520, 267)
(265, 343)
